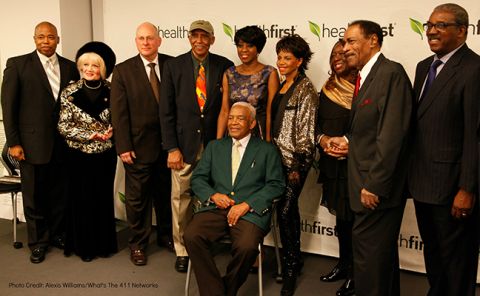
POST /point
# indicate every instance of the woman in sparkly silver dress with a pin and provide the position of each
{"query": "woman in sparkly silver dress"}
(294, 110)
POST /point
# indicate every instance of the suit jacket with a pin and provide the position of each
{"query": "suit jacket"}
(379, 123)
(444, 152)
(183, 125)
(135, 118)
(30, 112)
(259, 178)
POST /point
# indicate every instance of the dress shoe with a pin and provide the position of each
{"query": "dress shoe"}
(347, 289)
(289, 284)
(58, 242)
(334, 275)
(86, 258)
(181, 264)
(38, 255)
(166, 241)
(138, 257)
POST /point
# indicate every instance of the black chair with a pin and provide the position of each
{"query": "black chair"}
(11, 184)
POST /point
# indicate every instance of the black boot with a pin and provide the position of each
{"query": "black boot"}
(289, 283)
(347, 289)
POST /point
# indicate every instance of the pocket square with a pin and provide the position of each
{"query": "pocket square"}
(366, 102)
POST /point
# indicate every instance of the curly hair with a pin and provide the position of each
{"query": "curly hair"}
(298, 47)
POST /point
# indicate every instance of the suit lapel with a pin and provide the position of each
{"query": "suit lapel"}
(37, 64)
(212, 75)
(363, 89)
(248, 159)
(448, 72)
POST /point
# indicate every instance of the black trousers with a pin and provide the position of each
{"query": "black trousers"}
(450, 249)
(375, 252)
(147, 185)
(44, 193)
(208, 227)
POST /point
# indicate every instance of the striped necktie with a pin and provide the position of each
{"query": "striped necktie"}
(235, 159)
(201, 87)
(53, 77)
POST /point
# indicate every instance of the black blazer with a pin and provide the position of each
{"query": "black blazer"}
(379, 124)
(444, 149)
(30, 113)
(135, 118)
(183, 125)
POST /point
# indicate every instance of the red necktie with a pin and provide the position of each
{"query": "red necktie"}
(201, 87)
(357, 85)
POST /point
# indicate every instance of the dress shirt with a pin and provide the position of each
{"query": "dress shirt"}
(53, 59)
(148, 69)
(367, 68)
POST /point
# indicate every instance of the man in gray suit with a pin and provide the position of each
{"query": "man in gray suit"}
(443, 173)
(31, 85)
(136, 127)
(379, 124)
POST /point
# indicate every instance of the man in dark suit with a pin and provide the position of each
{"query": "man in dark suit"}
(379, 123)
(136, 125)
(235, 181)
(191, 100)
(443, 173)
(31, 85)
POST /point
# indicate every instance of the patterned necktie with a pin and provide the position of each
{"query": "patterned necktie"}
(201, 87)
(235, 159)
(432, 73)
(154, 82)
(53, 77)
(357, 85)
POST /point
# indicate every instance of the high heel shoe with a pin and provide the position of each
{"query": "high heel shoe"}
(347, 289)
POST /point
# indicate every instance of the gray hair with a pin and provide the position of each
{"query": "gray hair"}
(461, 15)
(249, 106)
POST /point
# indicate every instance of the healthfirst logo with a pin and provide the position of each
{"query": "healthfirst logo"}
(177, 32)
(406, 241)
(325, 31)
(272, 31)
(417, 27)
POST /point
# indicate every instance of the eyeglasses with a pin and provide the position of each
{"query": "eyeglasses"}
(438, 26)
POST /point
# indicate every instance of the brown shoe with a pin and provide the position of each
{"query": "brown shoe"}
(138, 257)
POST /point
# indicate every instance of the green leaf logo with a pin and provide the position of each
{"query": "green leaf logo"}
(417, 27)
(228, 30)
(121, 197)
(315, 29)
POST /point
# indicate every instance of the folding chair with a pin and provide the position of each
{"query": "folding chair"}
(11, 184)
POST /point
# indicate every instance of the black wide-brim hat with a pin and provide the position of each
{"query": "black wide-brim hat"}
(103, 50)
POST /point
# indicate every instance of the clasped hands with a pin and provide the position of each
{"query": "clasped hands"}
(222, 201)
(102, 136)
(334, 146)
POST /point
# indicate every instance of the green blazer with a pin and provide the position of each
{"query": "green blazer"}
(259, 178)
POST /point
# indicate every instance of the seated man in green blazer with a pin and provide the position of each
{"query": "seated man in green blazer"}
(235, 181)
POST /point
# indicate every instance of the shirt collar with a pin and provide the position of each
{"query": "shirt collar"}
(368, 67)
(244, 141)
(43, 58)
(146, 62)
(446, 57)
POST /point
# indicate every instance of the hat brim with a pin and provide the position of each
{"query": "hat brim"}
(103, 50)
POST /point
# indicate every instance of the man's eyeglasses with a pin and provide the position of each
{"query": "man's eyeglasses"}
(438, 26)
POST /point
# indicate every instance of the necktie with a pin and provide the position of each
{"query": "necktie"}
(432, 73)
(154, 82)
(235, 159)
(201, 87)
(357, 85)
(53, 78)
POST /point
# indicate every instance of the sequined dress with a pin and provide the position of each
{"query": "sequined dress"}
(252, 89)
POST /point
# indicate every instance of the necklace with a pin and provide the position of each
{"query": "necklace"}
(95, 87)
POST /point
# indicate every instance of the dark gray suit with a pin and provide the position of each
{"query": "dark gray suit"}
(380, 120)
(444, 159)
(30, 115)
(136, 127)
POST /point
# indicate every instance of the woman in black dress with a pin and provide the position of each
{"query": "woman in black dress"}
(91, 159)
(333, 120)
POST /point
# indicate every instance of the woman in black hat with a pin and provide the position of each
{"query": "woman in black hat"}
(91, 159)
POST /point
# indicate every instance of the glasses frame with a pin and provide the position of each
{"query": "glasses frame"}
(441, 26)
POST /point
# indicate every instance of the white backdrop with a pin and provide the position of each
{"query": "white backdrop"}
(277, 18)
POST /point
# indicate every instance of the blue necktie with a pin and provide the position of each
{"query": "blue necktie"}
(432, 73)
